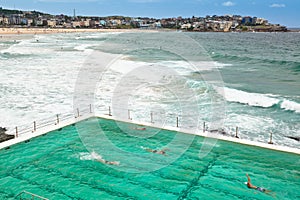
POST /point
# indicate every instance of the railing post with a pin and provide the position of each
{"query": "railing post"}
(129, 115)
(34, 126)
(236, 132)
(17, 132)
(109, 111)
(271, 137)
(78, 114)
(57, 119)
(204, 127)
(151, 115)
(177, 122)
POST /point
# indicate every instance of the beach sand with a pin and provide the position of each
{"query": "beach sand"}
(16, 34)
(21, 31)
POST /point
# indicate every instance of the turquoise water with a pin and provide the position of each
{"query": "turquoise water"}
(59, 166)
(258, 72)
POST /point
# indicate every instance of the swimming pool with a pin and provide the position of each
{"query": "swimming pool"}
(59, 166)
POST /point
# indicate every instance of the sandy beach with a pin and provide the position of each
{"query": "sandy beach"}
(13, 31)
(8, 34)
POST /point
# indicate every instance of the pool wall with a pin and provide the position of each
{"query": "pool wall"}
(209, 135)
(206, 134)
(44, 130)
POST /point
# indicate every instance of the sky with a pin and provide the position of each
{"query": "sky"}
(284, 12)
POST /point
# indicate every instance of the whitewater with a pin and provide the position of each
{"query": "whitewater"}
(259, 74)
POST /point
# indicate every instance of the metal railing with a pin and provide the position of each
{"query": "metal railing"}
(175, 120)
(47, 122)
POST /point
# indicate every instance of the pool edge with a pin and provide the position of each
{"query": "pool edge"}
(210, 135)
(43, 131)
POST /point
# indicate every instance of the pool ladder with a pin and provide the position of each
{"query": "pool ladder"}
(27, 195)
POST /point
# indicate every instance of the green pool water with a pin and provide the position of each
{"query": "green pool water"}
(59, 166)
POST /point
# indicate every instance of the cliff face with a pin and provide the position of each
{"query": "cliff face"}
(4, 137)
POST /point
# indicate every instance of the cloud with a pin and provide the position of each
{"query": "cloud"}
(276, 5)
(228, 3)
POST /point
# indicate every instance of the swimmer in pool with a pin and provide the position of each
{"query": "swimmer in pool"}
(162, 151)
(140, 128)
(249, 185)
(100, 159)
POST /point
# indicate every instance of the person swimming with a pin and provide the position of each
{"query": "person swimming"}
(162, 151)
(251, 186)
(139, 128)
(100, 159)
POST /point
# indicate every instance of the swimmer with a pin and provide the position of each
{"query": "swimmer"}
(161, 152)
(249, 185)
(111, 162)
(140, 128)
(100, 159)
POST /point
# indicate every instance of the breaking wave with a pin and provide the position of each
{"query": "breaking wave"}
(291, 106)
(251, 99)
(258, 100)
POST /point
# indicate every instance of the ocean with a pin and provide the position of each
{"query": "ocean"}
(227, 80)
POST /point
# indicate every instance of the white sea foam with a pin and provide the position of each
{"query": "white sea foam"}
(258, 128)
(219, 65)
(13, 49)
(27, 47)
(210, 65)
(96, 156)
(100, 35)
(37, 87)
(84, 48)
(86, 156)
(125, 65)
(290, 105)
(95, 36)
(252, 99)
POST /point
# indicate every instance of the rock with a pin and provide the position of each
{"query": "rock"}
(294, 138)
(4, 137)
(3, 130)
(221, 131)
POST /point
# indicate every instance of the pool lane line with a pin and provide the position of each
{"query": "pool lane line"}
(195, 182)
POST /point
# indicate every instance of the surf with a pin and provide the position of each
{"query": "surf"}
(290, 106)
(251, 99)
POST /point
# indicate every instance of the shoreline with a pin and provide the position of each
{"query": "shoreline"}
(35, 31)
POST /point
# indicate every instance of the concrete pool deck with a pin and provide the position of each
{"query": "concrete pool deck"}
(211, 135)
(43, 131)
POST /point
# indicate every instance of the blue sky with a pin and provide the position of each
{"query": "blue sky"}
(285, 12)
